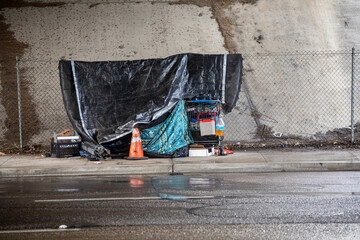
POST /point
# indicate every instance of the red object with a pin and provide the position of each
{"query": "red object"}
(207, 119)
(136, 151)
(207, 125)
(225, 151)
(135, 183)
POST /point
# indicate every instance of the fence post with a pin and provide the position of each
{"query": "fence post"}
(19, 100)
(223, 79)
(352, 95)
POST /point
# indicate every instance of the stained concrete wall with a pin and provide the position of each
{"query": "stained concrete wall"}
(296, 25)
(110, 31)
(2, 119)
(312, 97)
(120, 30)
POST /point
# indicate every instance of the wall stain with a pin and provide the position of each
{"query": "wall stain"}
(10, 48)
(225, 23)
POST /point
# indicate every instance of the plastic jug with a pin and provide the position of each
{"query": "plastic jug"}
(220, 126)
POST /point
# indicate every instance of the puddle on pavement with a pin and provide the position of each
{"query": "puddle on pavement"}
(182, 182)
(132, 184)
(67, 190)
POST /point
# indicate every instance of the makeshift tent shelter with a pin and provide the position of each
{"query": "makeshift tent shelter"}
(170, 135)
(104, 100)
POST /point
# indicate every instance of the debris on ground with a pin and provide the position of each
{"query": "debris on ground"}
(293, 144)
(63, 227)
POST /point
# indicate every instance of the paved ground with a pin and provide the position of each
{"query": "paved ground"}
(270, 161)
(250, 205)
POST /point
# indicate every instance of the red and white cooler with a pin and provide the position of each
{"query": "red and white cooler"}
(207, 123)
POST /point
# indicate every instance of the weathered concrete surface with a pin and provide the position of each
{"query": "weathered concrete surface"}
(289, 25)
(133, 29)
(115, 31)
(109, 31)
(4, 159)
(240, 162)
(38, 166)
(2, 117)
(295, 95)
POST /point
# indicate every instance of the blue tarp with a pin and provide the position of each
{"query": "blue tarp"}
(170, 135)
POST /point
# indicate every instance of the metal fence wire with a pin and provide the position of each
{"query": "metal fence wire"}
(299, 96)
(356, 95)
(304, 95)
(42, 107)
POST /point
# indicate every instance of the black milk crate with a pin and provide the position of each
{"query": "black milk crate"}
(62, 150)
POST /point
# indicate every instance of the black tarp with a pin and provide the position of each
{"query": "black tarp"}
(104, 99)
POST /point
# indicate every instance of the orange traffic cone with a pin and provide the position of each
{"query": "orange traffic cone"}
(136, 151)
(226, 151)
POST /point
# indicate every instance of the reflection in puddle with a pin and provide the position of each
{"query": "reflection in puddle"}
(182, 183)
(67, 190)
(137, 182)
(201, 181)
(132, 185)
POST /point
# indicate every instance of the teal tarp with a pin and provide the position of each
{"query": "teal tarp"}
(169, 135)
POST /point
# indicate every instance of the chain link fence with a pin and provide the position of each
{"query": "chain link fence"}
(41, 80)
(356, 95)
(42, 108)
(299, 97)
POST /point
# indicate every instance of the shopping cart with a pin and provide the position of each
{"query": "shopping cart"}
(201, 114)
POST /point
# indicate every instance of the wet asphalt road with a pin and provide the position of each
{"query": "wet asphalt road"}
(271, 205)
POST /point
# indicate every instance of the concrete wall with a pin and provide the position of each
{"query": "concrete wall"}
(296, 25)
(120, 30)
(2, 119)
(114, 31)
(109, 31)
(313, 96)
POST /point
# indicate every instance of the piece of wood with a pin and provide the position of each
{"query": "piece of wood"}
(65, 133)
(197, 146)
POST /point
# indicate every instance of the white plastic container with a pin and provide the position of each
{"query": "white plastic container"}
(203, 152)
(207, 125)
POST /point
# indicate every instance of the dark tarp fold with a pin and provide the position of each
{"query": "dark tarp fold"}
(104, 100)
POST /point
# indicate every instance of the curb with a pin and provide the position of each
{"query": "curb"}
(185, 168)
(267, 167)
(85, 171)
